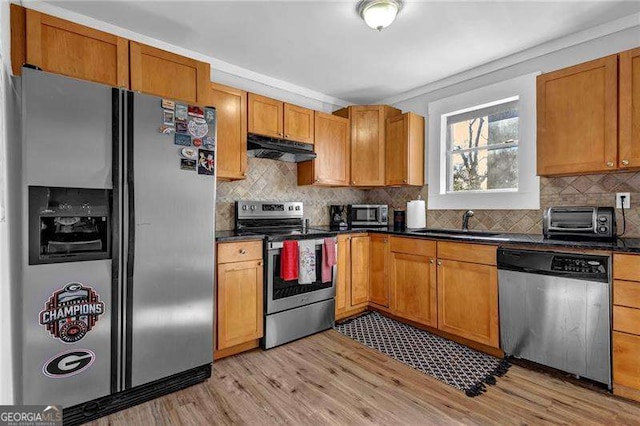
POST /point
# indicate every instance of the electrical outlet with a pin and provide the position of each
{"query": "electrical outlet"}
(627, 200)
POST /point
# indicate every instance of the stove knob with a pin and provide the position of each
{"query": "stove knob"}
(244, 208)
(290, 207)
(253, 208)
(297, 207)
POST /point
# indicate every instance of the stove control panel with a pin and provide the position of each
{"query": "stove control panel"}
(269, 210)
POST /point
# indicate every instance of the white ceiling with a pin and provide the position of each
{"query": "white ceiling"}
(325, 47)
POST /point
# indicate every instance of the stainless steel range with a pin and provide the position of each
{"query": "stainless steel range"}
(292, 310)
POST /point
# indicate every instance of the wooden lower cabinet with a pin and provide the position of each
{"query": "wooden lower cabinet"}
(379, 270)
(626, 368)
(414, 288)
(468, 301)
(239, 301)
(352, 281)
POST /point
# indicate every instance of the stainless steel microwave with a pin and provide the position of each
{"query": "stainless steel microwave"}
(368, 215)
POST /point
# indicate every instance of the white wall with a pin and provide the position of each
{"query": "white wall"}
(603, 46)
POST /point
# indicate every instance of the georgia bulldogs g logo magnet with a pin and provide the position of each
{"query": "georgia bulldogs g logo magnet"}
(71, 312)
(69, 363)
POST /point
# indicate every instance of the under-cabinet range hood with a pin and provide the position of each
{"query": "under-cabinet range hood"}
(279, 149)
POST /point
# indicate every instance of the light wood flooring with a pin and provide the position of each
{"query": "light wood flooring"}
(329, 379)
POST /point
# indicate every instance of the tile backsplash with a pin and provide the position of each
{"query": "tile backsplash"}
(270, 180)
(277, 181)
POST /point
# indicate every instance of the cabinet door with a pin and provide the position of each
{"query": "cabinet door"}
(161, 73)
(378, 270)
(62, 47)
(298, 124)
(231, 107)
(414, 288)
(266, 116)
(405, 150)
(629, 143)
(343, 278)
(359, 270)
(626, 352)
(577, 118)
(239, 303)
(468, 301)
(331, 166)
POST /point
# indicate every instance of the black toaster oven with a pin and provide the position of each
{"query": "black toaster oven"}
(580, 223)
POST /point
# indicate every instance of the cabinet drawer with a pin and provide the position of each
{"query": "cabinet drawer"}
(626, 319)
(626, 293)
(626, 267)
(240, 251)
(626, 352)
(413, 246)
(474, 253)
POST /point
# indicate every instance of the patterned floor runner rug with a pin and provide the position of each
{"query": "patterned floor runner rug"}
(448, 361)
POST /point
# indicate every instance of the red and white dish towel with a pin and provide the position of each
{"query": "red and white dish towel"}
(307, 262)
(289, 260)
(328, 258)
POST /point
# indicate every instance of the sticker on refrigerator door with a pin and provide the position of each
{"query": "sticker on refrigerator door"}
(209, 143)
(195, 111)
(181, 127)
(210, 115)
(168, 118)
(184, 140)
(167, 130)
(71, 312)
(198, 127)
(197, 142)
(167, 104)
(181, 112)
(68, 363)
(189, 153)
(187, 164)
(206, 162)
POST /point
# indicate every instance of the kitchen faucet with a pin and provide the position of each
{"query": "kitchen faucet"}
(465, 219)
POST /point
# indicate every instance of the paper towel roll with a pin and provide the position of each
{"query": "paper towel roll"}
(416, 214)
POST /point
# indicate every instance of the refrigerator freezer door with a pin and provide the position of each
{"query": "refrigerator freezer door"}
(171, 306)
(54, 369)
(67, 131)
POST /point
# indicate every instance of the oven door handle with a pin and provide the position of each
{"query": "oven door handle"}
(279, 244)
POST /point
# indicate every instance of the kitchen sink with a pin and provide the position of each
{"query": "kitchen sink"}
(457, 232)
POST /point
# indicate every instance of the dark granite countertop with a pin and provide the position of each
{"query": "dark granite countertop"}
(628, 245)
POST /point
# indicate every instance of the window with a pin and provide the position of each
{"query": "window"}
(481, 147)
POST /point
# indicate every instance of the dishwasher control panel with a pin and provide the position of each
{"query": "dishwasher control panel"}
(577, 264)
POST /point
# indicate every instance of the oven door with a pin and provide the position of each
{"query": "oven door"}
(283, 295)
(363, 215)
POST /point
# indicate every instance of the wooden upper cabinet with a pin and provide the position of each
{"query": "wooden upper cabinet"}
(368, 152)
(405, 150)
(578, 118)
(331, 166)
(161, 73)
(231, 109)
(266, 116)
(299, 124)
(468, 301)
(629, 138)
(359, 270)
(379, 270)
(277, 119)
(70, 49)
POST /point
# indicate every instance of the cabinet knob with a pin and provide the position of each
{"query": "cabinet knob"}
(243, 251)
(259, 263)
(431, 261)
(404, 181)
(609, 163)
(286, 136)
(353, 182)
(625, 162)
(317, 180)
(279, 133)
(385, 241)
(439, 262)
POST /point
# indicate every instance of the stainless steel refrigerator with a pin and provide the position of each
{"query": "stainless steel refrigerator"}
(114, 304)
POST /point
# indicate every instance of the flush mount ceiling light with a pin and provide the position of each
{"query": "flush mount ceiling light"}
(379, 14)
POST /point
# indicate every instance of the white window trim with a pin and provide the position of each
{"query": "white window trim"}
(528, 194)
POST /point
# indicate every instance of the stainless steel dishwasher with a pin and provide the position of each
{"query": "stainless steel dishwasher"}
(555, 310)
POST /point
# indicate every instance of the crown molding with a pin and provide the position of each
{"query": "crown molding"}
(216, 64)
(570, 40)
